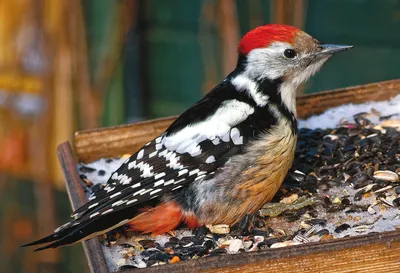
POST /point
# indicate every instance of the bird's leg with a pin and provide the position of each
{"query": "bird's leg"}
(246, 224)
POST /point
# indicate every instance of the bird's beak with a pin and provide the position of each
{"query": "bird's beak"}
(332, 49)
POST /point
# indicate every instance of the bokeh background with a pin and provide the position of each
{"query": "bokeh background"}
(78, 64)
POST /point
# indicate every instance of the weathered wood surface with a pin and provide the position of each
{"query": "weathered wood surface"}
(369, 253)
(96, 261)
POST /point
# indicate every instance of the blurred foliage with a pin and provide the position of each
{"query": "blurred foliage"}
(18, 225)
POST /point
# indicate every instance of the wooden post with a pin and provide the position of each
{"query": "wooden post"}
(229, 31)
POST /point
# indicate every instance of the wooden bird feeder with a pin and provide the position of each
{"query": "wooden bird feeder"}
(368, 253)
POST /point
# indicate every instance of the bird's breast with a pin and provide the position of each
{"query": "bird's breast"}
(273, 157)
(252, 179)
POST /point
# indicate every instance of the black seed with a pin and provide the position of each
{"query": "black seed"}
(201, 232)
(270, 241)
(262, 246)
(170, 245)
(238, 233)
(197, 250)
(186, 240)
(322, 232)
(259, 223)
(258, 232)
(86, 169)
(126, 245)
(216, 236)
(396, 202)
(174, 240)
(293, 218)
(298, 177)
(381, 184)
(218, 251)
(163, 257)
(209, 244)
(270, 230)
(349, 148)
(300, 231)
(327, 201)
(147, 243)
(342, 228)
(356, 208)
(358, 195)
(150, 262)
(101, 172)
(362, 184)
(345, 201)
(149, 253)
(311, 179)
(320, 222)
(334, 208)
(313, 213)
(125, 267)
(363, 142)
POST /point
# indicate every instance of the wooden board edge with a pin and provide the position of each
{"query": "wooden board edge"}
(271, 257)
(92, 247)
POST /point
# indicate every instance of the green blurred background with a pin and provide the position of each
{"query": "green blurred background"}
(95, 63)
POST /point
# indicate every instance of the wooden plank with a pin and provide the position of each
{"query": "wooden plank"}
(92, 247)
(114, 141)
(369, 257)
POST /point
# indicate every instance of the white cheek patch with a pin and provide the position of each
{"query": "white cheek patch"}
(264, 62)
(308, 72)
(288, 88)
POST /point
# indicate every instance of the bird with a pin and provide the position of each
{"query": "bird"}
(220, 160)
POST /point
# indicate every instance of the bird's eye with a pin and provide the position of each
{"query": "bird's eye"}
(289, 53)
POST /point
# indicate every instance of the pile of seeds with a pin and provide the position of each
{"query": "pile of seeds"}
(344, 182)
(332, 117)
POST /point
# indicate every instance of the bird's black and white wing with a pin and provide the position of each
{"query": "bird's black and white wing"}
(194, 146)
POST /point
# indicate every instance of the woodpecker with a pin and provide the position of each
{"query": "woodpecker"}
(220, 160)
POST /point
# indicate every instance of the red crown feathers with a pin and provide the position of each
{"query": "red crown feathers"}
(265, 35)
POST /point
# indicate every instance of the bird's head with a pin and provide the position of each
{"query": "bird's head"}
(285, 54)
(280, 51)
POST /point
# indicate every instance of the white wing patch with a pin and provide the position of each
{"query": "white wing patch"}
(237, 139)
(231, 113)
(210, 159)
(140, 154)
